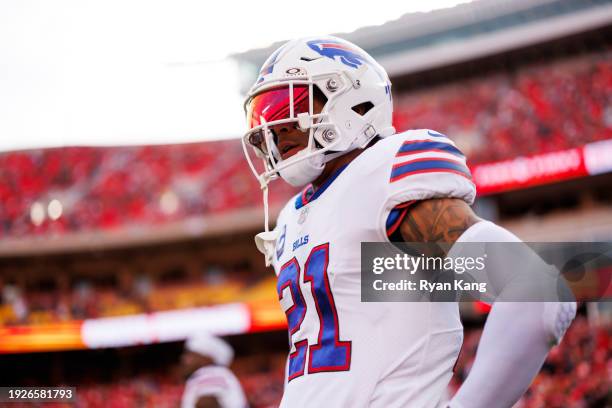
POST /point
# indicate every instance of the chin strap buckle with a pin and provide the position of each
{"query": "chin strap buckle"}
(266, 243)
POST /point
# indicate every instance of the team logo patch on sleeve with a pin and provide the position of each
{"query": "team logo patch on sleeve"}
(428, 156)
(280, 244)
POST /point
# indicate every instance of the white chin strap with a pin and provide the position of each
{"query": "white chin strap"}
(297, 174)
(303, 171)
(266, 241)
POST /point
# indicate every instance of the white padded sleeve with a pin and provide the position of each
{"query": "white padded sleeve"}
(516, 339)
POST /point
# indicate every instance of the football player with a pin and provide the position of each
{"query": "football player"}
(319, 116)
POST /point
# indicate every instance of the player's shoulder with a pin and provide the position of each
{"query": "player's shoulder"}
(424, 142)
(417, 165)
(411, 140)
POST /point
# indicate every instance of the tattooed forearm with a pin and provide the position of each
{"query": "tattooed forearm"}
(437, 221)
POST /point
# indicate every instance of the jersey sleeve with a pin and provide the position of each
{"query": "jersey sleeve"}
(422, 164)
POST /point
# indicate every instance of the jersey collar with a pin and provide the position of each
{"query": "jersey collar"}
(309, 194)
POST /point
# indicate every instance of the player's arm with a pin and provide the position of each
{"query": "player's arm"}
(441, 220)
(207, 401)
(517, 335)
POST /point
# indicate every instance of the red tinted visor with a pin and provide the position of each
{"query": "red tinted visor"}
(275, 104)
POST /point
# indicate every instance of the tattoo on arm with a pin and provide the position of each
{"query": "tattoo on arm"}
(439, 221)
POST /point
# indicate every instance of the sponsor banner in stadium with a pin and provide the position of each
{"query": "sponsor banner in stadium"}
(46, 337)
(521, 172)
(160, 327)
(598, 157)
(167, 326)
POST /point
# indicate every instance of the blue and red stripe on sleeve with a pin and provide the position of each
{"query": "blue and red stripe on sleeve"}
(410, 147)
(428, 156)
(428, 165)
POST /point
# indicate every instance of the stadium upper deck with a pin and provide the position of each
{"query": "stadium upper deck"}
(419, 41)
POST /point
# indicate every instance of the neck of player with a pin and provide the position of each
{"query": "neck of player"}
(334, 165)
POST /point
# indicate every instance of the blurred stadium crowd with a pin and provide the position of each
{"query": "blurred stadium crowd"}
(576, 373)
(585, 351)
(533, 109)
(260, 376)
(124, 294)
(102, 188)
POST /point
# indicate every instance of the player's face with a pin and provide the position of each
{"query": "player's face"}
(289, 138)
(274, 105)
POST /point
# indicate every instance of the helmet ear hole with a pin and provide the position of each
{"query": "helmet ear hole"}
(318, 95)
(362, 108)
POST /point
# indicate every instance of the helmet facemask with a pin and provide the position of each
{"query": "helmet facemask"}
(289, 103)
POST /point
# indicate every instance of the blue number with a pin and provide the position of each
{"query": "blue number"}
(289, 276)
(329, 353)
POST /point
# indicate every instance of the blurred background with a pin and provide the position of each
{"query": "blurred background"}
(127, 210)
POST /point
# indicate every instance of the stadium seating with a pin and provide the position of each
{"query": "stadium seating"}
(536, 109)
(575, 375)
(87, 300)
(106, 188)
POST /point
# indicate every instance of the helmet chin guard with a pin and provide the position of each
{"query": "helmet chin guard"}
(358, 107)
(303, 171)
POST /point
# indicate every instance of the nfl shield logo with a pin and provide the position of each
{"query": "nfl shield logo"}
(303, 215)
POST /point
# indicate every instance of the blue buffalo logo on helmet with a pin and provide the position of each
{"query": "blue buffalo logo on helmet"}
(348, 56)
(331, 49)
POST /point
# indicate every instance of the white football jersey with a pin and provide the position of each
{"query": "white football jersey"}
(215, 381)
(345, 353)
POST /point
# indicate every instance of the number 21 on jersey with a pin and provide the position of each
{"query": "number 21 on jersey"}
(329, 353)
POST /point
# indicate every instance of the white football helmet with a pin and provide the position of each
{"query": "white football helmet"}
(350, 81)
(346, 76)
